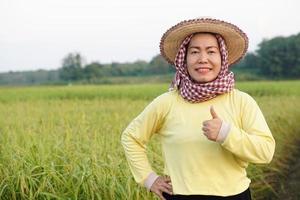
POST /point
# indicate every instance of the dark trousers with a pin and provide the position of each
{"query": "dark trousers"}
(246, 195)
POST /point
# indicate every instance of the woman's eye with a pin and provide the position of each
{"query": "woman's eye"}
(211, 52)
(194, 52)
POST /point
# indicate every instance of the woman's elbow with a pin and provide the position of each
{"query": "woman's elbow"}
(270, 150)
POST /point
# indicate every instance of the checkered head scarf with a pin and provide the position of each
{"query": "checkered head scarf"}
(195, 92)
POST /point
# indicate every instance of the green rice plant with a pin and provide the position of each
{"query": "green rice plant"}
(63, 142)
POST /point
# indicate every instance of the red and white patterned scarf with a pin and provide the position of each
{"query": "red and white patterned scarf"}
(198, 92)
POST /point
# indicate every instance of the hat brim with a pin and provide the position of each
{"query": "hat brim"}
(236, 40)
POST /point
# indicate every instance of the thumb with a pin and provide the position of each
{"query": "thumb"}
(213, 113)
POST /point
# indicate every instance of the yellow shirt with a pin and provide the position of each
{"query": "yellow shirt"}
(195, 164)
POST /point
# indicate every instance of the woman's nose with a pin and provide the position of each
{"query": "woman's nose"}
(202, 58)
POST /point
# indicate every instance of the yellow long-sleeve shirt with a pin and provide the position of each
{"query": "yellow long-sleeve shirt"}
(195, 164)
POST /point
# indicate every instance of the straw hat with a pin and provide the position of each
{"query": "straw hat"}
(236, 40)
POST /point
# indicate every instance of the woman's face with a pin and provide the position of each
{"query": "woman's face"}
(203, 58)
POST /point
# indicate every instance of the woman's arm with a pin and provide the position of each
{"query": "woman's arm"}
(253, 142)
(138, 133)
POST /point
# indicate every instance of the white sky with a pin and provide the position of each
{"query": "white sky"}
(37, 34)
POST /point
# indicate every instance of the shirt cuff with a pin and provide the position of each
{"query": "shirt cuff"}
(224, 130)
(150, 180)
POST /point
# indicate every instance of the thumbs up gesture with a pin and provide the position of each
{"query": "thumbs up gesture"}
(212, 127)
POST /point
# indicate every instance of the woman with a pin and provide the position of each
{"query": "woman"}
(209, 130)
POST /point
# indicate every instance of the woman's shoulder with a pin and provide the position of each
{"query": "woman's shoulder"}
(167, 97)
(240, 93)
(242, 96)
(163, 102)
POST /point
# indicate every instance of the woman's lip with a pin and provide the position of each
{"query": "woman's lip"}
(203, 70)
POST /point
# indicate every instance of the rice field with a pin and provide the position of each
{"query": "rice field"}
(63, 142)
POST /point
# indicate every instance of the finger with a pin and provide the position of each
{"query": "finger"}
(167, 178)
(160, 196)
(168, 186)
(169, 182)
(166, 190)
(205, 123)
(213, 112)
(204, 129)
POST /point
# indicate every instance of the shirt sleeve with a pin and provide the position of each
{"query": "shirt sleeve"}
(138, 133)
(253, 141)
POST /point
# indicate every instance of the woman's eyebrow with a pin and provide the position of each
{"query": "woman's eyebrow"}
(208, 47)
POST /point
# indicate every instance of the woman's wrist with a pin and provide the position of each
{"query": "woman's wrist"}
(224, 130)
(150, 180)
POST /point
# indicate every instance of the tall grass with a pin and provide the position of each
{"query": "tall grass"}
(64, 142)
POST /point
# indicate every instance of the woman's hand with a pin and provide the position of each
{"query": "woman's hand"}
(160, 185)
(212, 127)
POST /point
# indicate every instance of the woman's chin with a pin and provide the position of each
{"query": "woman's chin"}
(203, 79)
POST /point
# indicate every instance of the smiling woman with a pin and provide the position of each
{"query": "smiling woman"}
(205, 160)
(203, 58)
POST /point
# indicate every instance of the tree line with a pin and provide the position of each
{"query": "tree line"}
(74, 69)
(275, 58)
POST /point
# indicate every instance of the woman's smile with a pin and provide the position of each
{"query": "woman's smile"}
(203, 70)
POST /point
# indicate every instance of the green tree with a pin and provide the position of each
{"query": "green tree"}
(250, 61)
(93, 71)
(72, 67)
(158, 65)
(280, 57)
